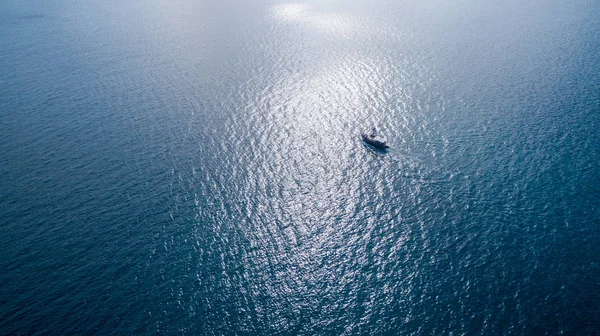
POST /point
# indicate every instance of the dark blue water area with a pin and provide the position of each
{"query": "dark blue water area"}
(195, 167)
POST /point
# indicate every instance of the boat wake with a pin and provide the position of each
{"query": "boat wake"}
(415, 168)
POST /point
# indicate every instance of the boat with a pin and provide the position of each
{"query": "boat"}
(374, 140)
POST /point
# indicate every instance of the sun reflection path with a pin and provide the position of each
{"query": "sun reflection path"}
(312, 195)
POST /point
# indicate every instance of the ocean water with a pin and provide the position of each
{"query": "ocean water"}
(195, 167)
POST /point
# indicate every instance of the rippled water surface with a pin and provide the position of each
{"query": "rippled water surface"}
(195, 167)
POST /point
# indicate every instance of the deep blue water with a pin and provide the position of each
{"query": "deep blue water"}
(195, 167)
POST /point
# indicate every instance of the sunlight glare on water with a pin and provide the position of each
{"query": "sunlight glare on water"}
(336, 24)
